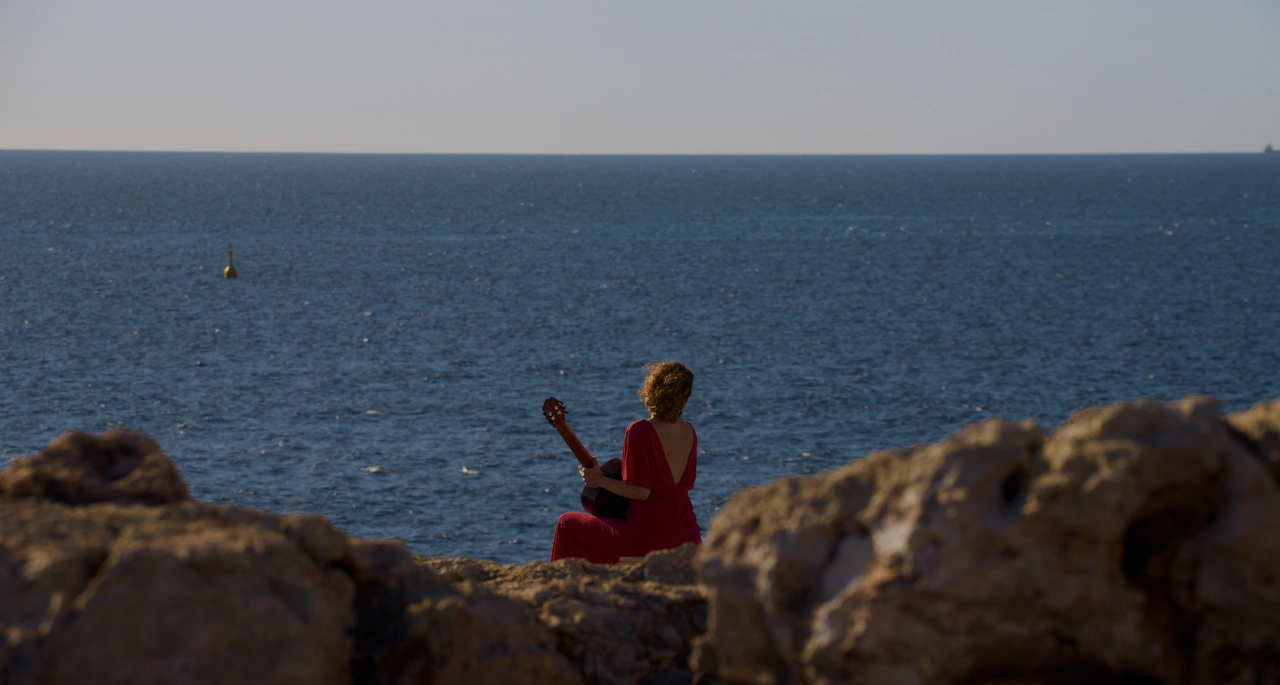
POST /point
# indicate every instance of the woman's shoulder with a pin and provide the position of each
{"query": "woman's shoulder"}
(635, 429)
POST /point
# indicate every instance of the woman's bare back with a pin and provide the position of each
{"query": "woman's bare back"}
(676, 438)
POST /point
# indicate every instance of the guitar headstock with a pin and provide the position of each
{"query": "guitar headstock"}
(553, 409)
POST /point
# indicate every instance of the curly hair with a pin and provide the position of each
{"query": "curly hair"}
(666, 389)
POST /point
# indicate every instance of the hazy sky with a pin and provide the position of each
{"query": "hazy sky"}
(580, 76)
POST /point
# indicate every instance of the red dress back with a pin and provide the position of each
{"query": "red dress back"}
(662, 521)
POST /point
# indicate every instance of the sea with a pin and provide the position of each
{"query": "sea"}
(398, 320)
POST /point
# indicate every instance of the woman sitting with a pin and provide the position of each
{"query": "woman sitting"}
(659, 465)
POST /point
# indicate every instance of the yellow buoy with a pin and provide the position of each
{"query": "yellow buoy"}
(230, 271)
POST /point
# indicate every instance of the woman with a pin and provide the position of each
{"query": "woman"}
(659, 465)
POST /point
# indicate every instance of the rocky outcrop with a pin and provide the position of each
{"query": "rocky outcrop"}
(107, 575)
(79, 468)
(1259, 429)
(197, 593)
(132, 594)
(1138, 543)
(616, 624)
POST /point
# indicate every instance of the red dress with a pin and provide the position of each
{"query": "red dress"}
(663, 521)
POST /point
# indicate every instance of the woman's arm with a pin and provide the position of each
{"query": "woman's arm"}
(595, 478)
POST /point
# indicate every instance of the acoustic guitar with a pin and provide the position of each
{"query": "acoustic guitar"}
(598, 501)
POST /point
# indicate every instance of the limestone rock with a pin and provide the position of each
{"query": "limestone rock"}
(79, 468)
(97, 588)
(1259, 427)
(1137, 544)
(617, 624)
(474, 636)
(111, 593)
(198, 593)
(418, 627)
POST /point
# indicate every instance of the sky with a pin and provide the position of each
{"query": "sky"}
(651, 77)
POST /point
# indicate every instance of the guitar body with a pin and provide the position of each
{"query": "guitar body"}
(603, 503)
(596, 501)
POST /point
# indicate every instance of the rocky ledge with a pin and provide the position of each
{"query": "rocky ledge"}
(1139, 543)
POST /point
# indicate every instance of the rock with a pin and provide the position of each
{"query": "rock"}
(617, 624)
(417, 627)
(1137, 544)
(316, 537)
(1259, 429)
(111, 591)
(192, 593)
(197, 593)
(473, 636)
(78, 468)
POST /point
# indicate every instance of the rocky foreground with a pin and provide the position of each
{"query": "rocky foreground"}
(1140, 543)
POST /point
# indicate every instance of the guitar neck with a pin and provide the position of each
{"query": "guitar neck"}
(575, 445)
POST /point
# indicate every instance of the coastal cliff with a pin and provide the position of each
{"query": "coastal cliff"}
(1136, 543)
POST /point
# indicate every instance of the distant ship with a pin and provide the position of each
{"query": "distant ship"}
(1268, 149)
